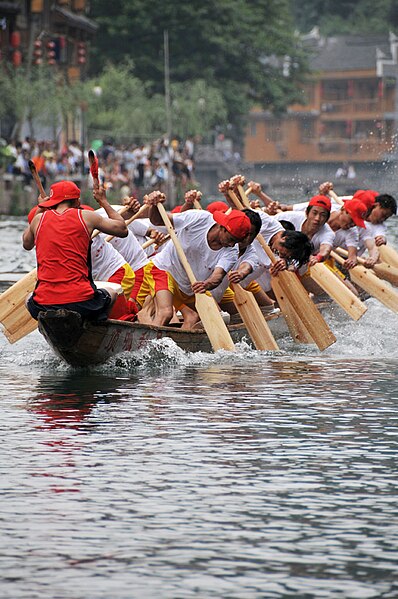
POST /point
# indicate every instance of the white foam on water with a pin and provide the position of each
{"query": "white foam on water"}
(373, 336)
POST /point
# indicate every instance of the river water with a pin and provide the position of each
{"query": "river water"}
(171, 475)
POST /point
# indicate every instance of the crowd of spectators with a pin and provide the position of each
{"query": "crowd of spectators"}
(129, 168)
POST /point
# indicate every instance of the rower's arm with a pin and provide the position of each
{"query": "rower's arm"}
(210, 283)
(352, 259)
(28, 239)
(244, 269)
(113, 225)
(373, 252)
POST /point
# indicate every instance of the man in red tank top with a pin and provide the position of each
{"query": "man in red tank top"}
(62, 236)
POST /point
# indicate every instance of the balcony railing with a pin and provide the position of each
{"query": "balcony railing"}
(354, 147)
(355, 105)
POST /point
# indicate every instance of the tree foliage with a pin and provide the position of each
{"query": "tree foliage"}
(346, 16)
(234, 46)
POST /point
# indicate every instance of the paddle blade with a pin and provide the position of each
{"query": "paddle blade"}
(14, 316)
(339, 292)
(306, 310)
(387, 272)
(388, 254)
(253, 319)
(213, 323)
(93, 160)
(295, 325)
(367, 280)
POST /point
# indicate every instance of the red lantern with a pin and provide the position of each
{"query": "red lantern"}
(15, 39)
(17, 58)
(38, 52)
(51, 53)
(81, 53)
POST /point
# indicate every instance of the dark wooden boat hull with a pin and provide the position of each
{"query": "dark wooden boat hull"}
(83, 344)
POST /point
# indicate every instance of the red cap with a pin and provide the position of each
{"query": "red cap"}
(61, 191)
(176, 209)
(321, 201)
(236, 223)
(357, 210)
(220, 206)
(366, 196)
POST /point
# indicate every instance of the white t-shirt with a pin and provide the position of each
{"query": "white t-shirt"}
(105, 260)
(325, 234)
(192, 227)
(345, 238)
(250, 256)
(140, 228)
(370, 232)
(128, 247)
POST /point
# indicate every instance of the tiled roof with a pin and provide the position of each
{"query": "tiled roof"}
(347, 52)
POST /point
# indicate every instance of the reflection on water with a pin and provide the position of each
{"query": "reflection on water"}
(173, 475)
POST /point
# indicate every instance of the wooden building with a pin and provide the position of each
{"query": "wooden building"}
(349, 112)
(57, 33)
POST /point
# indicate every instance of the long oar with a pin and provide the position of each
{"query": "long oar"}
(138, 214)
(14, 316)
(381, 269)
(150, 242)
(388, 254)
(333, 195)
(205, 305)
(35, 175)
(253, 319)
(367, 280)
(296, 327)
(339, 292)
(306, 311)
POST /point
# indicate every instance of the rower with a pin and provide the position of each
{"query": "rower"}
(62, 237)
(210, 243)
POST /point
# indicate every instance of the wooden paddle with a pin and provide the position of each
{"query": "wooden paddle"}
(253, 319)
(339, 292)
(333, 195)
(33, 170)
(296, 327)
(150, 242)
(381, 269)
(205, 305)
(367, 280)
(138, 214)
(306, 312)
(388, 254)
(14, 316)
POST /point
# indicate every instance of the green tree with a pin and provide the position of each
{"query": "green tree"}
(346, 16)
(236, 46)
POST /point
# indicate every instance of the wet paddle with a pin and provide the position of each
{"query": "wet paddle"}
(15, 318)
(367, 280)
(206, 306)
(388, 254)
(301, 303)
(381, 269)
(294, 323)
(339, 292)
(253, 319)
